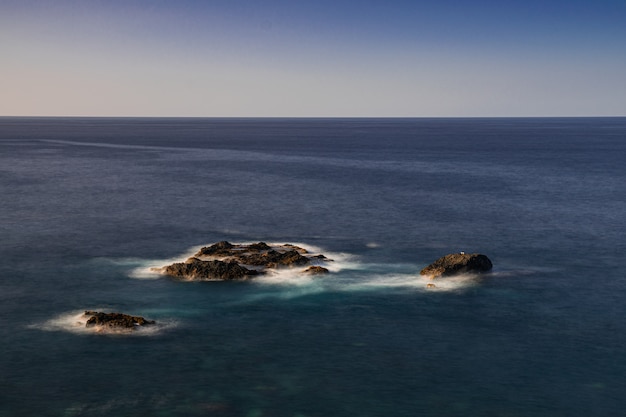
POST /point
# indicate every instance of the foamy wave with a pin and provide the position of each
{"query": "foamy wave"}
(361, 276)
(294, 276)
(291, 285)
(420, 282)
(347, 273)
(336, 261)
(75, 322)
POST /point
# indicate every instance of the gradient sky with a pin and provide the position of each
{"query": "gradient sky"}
(312, 58)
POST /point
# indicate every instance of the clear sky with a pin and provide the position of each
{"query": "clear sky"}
(312, 58)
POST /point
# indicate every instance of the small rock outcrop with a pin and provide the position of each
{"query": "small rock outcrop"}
(115, 320)
(316, 270)
(227, 261)
(458, 263)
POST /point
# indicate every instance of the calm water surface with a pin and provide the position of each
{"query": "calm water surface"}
(89, 204)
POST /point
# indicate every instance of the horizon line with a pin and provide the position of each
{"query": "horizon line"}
(306, 117)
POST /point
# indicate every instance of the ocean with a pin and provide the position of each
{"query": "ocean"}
(89, 205)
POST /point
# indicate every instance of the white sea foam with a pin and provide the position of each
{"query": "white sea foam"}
(295, 282)
(294, 276)
(347, 273)
(150, 268)
(75, 322)
(294, 285)
(415, 281)
(335, 262)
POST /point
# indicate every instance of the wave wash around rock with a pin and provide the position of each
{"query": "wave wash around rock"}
(224, 261)
(458, 263)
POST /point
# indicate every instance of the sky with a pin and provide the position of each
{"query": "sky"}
(339, 58)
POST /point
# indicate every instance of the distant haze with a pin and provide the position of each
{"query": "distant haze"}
(312, 58)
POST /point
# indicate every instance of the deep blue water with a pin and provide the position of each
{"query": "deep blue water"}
(87, 204)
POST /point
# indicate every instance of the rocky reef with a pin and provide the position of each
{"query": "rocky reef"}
(458, 263)
(224, 261)
(115, 320)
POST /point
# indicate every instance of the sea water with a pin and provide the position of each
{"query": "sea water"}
(89, 206)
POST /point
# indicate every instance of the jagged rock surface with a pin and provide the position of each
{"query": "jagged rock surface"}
(256, 254)
(458, 263)
(227, 261)
(273, 258)
(197, 269)
(222, 248)
(115, 320)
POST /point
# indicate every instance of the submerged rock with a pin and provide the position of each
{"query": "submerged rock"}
(227, 261)
(458, 263)
(316, 270)
(115, 320)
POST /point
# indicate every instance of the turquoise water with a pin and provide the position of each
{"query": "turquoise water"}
(89, 205)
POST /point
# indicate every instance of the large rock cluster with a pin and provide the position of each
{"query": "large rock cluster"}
(225, 261)
(458, 263)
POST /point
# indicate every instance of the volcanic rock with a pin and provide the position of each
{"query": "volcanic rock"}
(273, 258)
(227, 261)
(261, 246)
(196, 269)
(256, 254)
(297, 248)
(222, 248)
(115, 320)
(458, 263)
